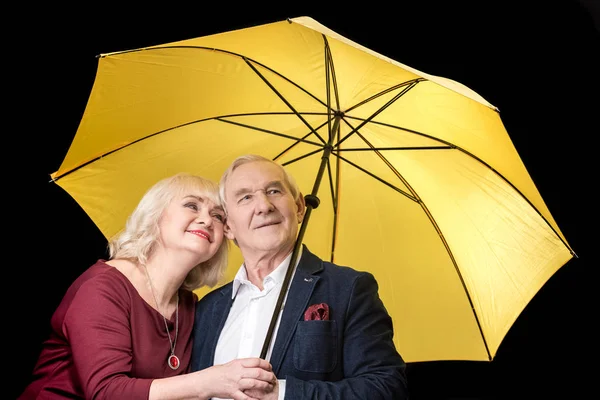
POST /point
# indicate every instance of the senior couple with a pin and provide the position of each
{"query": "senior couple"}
(333, 338)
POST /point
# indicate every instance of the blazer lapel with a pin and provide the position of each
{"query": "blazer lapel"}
(301, 288)
(219, 314)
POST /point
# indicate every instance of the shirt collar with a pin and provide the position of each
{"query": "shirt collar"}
(277, 275)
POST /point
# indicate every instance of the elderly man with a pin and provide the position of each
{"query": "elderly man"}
(333, 339)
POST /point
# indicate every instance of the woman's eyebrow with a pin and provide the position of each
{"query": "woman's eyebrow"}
(195, 197)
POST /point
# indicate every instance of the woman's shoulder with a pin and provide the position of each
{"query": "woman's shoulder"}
(102, 269)
(102, 276)
(99, 284)
(99, 268)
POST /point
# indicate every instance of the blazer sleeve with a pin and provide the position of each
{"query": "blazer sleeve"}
(373, 368)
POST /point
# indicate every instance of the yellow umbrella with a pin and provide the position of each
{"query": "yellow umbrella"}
(417, 178)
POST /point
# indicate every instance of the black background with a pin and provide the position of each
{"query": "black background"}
(536, 61)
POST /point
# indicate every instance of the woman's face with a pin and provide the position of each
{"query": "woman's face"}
(192, 223)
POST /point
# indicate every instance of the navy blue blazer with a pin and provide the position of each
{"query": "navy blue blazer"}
(350, 356)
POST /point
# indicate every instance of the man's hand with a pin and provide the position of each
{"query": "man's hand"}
(267, 394)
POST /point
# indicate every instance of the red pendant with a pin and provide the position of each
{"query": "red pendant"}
(173, 361)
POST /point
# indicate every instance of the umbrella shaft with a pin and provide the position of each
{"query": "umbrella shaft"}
(312, 201)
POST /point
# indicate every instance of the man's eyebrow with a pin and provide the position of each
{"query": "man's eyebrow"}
(241, 191)
(276, 183)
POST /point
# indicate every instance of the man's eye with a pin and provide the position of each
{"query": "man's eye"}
(244, 198)
(273, 191)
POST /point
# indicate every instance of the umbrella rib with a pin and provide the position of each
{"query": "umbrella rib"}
(293, 145)
(459, 274)
(386, 105)
(287, 103)
(371, 147)
(448, 146)
(331, 68)
(410, 83)
(385, 160)
(232, 53)
(397, 148)
(389, 165)
(437, 229)
(250, 62)
(301, 157)
(396, 127)
(520, 194)
(432, 220)
(326, 55)
(219, 118)
(270, 132)
(397, 189)
(263, 113)
(330, 76)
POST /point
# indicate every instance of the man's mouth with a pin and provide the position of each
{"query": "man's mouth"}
(263, 225)
(202, 234)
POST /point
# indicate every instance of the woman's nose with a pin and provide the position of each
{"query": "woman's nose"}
(204, 218)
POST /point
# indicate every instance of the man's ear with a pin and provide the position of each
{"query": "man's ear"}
(301, 204)
(227, 232)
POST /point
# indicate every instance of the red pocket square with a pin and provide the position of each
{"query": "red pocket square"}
(317, 312)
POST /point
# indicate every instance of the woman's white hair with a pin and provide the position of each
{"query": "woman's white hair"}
(137, 241)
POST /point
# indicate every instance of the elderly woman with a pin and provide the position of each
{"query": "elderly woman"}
(124, 328)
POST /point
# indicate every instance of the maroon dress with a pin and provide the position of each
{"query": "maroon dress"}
(106, 342)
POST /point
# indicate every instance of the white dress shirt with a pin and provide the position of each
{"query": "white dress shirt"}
(245, 330)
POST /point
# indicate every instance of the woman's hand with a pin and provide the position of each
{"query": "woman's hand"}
(230, 380)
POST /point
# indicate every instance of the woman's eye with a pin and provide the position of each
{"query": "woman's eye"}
(273, 191)
(193, 206)
(219, 217)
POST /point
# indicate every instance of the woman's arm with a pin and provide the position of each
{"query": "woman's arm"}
(224, 381)
(98, 325)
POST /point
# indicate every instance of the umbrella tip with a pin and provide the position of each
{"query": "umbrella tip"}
(289, 20)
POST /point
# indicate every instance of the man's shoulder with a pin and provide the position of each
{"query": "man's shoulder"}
(338, 270)
(344, 270)
(215, 294)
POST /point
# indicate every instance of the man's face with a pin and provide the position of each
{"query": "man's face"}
(262, 215)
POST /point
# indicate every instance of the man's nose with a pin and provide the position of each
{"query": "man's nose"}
(263, 204)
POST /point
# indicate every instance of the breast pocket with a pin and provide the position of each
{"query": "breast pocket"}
(315, 346)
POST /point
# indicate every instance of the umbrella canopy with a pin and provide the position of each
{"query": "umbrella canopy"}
(417, 178)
